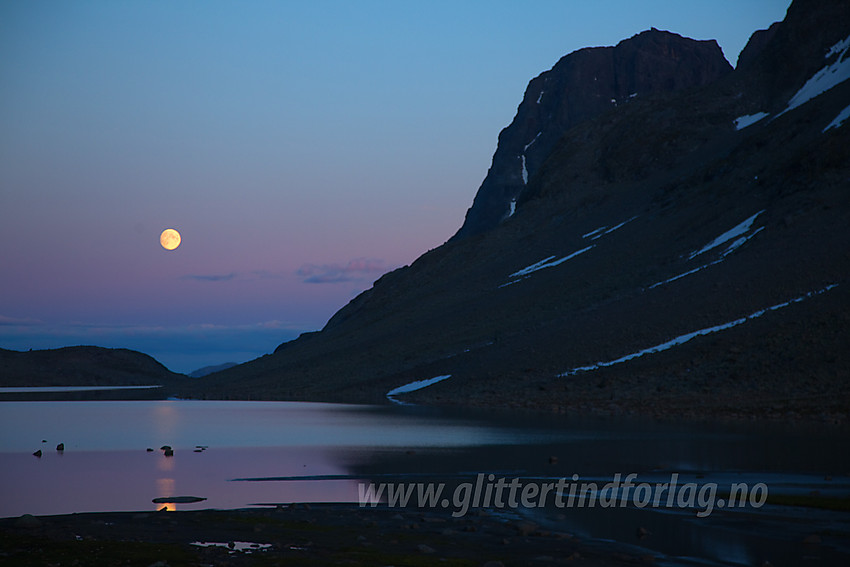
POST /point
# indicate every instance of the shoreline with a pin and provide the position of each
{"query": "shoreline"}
(820, 411)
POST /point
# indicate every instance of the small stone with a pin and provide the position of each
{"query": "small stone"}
(60, 447)
(165, 448)
(37, 454)
(422, 548)
(169, 452)
(149, 450)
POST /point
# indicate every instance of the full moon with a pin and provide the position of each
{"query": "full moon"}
(170, 239)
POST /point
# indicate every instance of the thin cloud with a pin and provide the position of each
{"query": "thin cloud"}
(210, 277)
(13, 321)
(356, 270)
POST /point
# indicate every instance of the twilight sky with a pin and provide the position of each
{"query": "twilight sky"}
(302, 149)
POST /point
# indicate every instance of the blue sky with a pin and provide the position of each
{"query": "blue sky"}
(302, 149)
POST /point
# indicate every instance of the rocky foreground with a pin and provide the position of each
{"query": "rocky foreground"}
(299, 535)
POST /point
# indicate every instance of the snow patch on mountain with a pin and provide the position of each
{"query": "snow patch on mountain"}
(524, 170)
(612, 229)
(528, 145)
(748, 120)
(548, 263)
(682, 275)
(735, 232)
(839, 47)
(593, 232)
(826, 78)
(729, 249)
(413, 386)
(740, 242)
(682, 339)
(839, 120)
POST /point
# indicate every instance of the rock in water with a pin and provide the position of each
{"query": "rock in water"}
(60, 447)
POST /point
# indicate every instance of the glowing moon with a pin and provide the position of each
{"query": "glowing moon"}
(170, 239)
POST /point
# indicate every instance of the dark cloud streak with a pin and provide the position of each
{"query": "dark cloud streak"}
(356, 270)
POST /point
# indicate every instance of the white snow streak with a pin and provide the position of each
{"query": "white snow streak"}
(682, 275)
(513, 208)
(839, 120)
(838, 48)
(524, 170)
(592, 232)
(548, 263)
(610, 230)
(413, 386)
(748, 120)
(824, 79)
(540, 97)
(739, 230)
(740, 242)
(528, 145)
(732, 247)
(681, 339)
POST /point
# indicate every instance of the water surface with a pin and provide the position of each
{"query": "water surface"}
(241, 454)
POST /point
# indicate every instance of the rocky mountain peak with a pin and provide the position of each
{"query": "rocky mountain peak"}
(581, 86)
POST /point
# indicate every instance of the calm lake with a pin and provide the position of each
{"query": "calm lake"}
(243, 454)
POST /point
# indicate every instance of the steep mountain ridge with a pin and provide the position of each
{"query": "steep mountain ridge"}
(684, 253)
(581, 86)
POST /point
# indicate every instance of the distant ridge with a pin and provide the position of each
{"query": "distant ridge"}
(82, 366)
(201, 372)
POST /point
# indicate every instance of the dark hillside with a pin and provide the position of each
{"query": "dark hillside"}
(706, 229)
